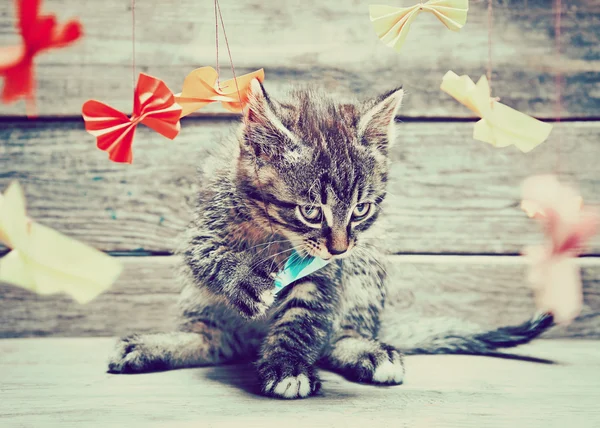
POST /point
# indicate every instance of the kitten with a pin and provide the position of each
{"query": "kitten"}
(308, 174)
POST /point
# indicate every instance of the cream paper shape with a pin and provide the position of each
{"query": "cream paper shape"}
(500, 125)
(47, 262)
(392, 24)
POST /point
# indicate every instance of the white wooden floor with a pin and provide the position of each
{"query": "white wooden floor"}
(63, 383)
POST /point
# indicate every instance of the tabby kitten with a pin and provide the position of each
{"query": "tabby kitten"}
(308, 175)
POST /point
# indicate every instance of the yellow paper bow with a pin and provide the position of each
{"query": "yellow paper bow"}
(200, 88)
(500, 125)
(47, 262)
(392, 23)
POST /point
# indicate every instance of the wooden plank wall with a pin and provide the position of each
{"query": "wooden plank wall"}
(327, 42)
(453, 201)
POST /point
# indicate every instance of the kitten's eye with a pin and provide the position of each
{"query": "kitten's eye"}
(311, 213)
(360, 211)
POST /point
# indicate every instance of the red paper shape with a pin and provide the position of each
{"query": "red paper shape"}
(568, 225)
(153, 105)
(39, 33)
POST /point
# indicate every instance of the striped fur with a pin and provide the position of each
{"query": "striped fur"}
(307, 151)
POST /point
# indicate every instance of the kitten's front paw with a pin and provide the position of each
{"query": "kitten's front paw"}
(132, 355)
(384, 366)
(253, 296)
(284, 378)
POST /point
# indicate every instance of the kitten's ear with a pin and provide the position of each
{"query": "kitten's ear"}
(258, 107)
(376, 126)
(262, 130)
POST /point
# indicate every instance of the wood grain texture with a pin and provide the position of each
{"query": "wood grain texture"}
(327, 42)
(447, 194)
(488, 291)
(61, 383)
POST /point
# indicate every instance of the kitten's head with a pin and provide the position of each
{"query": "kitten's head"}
(318, 167)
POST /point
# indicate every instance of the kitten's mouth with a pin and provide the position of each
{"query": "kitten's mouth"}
(311, 252)
(344, 255)
(326, 254)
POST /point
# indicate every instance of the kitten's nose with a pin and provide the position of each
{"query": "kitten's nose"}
(338, 241)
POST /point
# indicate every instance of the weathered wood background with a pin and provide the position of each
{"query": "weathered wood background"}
(452, 223)
(487, 290)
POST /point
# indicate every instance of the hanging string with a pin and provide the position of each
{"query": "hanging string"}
(490, 25)
(133, 42)
(30, 107)
(558, 79)
(220, 18)
(218, 7)
(217, 45)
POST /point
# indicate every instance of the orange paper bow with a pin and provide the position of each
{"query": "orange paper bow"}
(153, 105)
(39, 33)
(201, 87)
(554, 274)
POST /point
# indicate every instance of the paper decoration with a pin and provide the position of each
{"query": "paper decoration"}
(153, 105)
(554, 273)
(297, 267)
(47, 262)
(393, 23)
(201, 87)
(500, 125)
(39, 33)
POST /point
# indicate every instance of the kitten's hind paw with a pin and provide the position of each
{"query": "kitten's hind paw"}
(284, 378)
(382, 365)
(133, 355)
(390, 371)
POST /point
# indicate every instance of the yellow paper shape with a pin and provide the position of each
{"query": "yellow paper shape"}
(200, 88)
(393, 23)
(47, 262)
(500, 125)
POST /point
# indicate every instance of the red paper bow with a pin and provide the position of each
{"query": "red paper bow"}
(39, 33)
(153, 105)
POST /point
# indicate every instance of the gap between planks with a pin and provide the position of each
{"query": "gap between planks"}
(235, 116)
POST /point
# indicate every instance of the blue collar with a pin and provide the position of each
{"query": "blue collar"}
(297, 267)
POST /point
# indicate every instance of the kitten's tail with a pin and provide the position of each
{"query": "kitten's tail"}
(487, 343)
